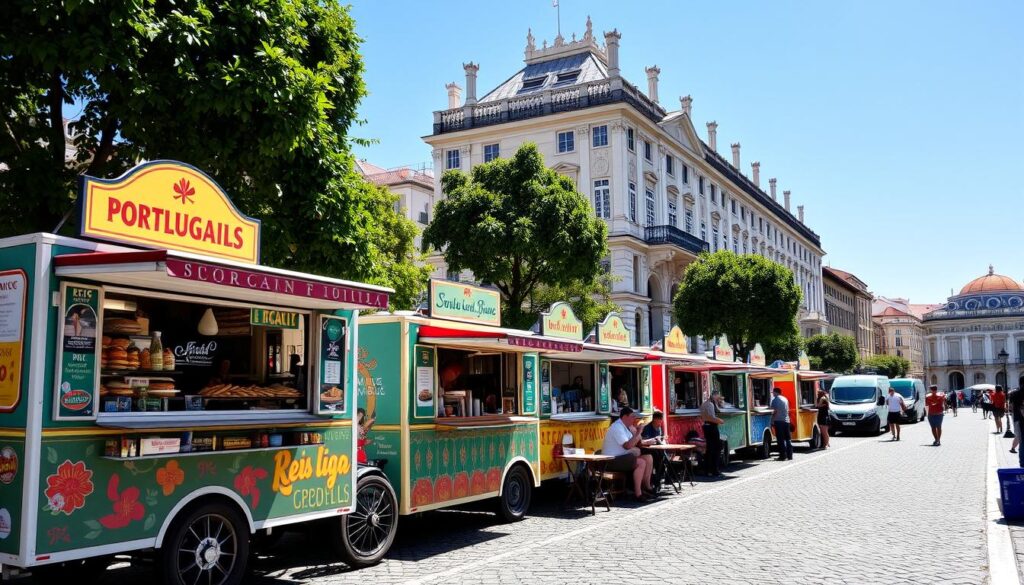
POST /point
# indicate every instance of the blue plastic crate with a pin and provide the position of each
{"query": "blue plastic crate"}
(1011, 488)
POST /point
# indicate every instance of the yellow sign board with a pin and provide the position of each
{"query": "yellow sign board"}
(560, 321)
(757, 355)
(13, 291)
(612, 331)
(723, 351)
(675, 341)
(804, 363)
(169, 205)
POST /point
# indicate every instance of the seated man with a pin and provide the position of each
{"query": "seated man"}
(654, 434)
(621, 442)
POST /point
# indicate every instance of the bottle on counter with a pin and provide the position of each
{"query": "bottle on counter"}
(156, 352)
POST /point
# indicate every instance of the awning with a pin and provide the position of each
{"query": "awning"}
(811, 375)
(592, 352)
(495, 338)
(190, 274)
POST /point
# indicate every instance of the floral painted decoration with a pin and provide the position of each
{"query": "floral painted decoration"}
(246, 483)
(184, 191)
(170, 476)
(127, 507)
(67, 489)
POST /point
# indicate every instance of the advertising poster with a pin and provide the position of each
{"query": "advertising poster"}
(12, 336)
(545, 387)
(332, 365)
(645, 388)
(78, 371)
(424, 380)
(604, 398)
(530, 384)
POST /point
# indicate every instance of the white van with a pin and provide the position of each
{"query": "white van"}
(912, 391)
(857, 403)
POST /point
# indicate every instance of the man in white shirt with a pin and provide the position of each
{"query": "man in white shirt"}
(896, 408)
(622, 442)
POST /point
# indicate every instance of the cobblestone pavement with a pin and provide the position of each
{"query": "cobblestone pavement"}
(865, 511)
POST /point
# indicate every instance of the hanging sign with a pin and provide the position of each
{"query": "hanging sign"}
(675, 341)
(273, 318)
(560, 321)
(756, 356)
(331, 390)
(530, 384)
(77, 368)
(612, 331)
(425, 392)
(723, 351)
(803, 364)
(168, 205)
(461, 302)
(12, 336)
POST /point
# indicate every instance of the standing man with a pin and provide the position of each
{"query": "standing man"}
(954, 402)
(998, 407)
(780, 423)
(896, 408)
(934, 404)
(709, 416)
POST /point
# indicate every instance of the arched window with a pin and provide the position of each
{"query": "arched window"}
(979, 377)
(956, 381)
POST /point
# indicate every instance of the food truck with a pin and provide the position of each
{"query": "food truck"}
(759, 412)
(163, 394)
(799, 384)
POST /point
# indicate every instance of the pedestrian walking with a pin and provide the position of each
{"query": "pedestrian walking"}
(1016, 402)
(953, 402)
(896, 408)
(709, 415)
(823, 417)
(986, 404)
(999, 407)
(780, 422)
(934, 404)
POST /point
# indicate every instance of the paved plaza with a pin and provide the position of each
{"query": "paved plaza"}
(865, 511)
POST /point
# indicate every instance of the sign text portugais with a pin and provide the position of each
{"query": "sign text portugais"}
(675, 341)
(273, 318)
(560, 321)
(612, 331)
(462, 302)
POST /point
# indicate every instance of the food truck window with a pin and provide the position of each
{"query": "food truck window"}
(572, 386)
(626, 386)
(476, 383)
(730, 387)
(807, 390)
(761, 389)
(687, 390)
(204, 358)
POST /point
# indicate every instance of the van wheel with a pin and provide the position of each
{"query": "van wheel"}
(367, 533)
(209, 545)
(766, 445)
(81, 571)
(515, 495)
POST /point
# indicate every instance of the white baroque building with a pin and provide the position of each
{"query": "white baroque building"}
(665, 193)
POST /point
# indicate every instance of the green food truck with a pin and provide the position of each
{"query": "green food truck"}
(163, 394)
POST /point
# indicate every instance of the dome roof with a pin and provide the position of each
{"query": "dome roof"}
(991, 282)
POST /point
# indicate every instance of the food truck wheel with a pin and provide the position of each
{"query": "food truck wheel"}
(80, 571)
(766, 444)
(208, 544)
(367, 533)
(515, 494)
(726, 456)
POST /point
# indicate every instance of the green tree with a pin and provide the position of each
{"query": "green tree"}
(517, 225)
(888, 365)
(786, 347)
(748, 298)
(838, 353)
(591, 302)
(261, 95)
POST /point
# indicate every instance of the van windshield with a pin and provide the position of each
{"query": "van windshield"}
(852, 394)
(904, 390)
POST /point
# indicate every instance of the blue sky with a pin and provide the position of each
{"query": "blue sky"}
(899, 125)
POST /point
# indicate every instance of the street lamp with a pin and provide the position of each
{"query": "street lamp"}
(1003, 358)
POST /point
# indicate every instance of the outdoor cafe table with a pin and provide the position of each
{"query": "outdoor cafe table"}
(666, 463)
(588, 467)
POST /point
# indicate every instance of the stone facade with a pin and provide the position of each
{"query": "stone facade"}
(848, 308)
(900, 331)
(414, 187)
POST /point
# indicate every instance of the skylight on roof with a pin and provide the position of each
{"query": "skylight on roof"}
(567, 78)
(532, 84)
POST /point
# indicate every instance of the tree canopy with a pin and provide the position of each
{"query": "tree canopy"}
(786, 347)
(260, 95)
(591, 302)
(888, 365)
(748, 298)
(517, 225)
(838, 353)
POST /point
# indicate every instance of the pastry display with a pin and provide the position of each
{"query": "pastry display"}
(121, 326)
(331, 395)
(132, 357)
(168, 360)
(253, 391)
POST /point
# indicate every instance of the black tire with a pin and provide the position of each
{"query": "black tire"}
(815, 443)
(83, 571)
(726, 457)
(207, 544)
(516, 492)
(366, 535)
(766, 445)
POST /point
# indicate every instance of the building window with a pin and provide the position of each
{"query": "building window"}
(703, 231)
(673, 211)
(632, 202)
(600, 136)
(647, 149)
(490, 152)
(714, 236)
(733, 206)
(686, 174)
(743, 213)
(649, 203)
(636, 273)
(602, 199)
(735, 245)
(566, 141)
(452, 159)
(669, 165)
(700, 187)
(630, 140)
(689, 220)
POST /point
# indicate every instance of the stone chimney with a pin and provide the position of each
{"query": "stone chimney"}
(736, 156)
(785, 199)
(771, 185)
(652, 82)
(755, 168)
(611, 47)
(686, 104)
(471, 69)
(800, 213)
(454, 95)
(713, 136)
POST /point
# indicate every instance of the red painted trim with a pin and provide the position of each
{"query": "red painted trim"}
(95, 258)
(448, 332)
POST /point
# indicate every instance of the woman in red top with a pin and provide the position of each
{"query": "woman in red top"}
(999, 407)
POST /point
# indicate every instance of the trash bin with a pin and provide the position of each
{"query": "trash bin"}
(1011, 488)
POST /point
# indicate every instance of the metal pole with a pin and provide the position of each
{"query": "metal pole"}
(1009, 422)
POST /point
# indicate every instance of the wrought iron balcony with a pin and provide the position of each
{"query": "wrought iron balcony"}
(670, 234)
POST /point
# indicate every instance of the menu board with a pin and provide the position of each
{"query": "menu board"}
(645, 388)
(12, 336)
(545, 387)
(78, 350)
(604, 396)
(530, 384)
(424, 380)
(331, 389)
